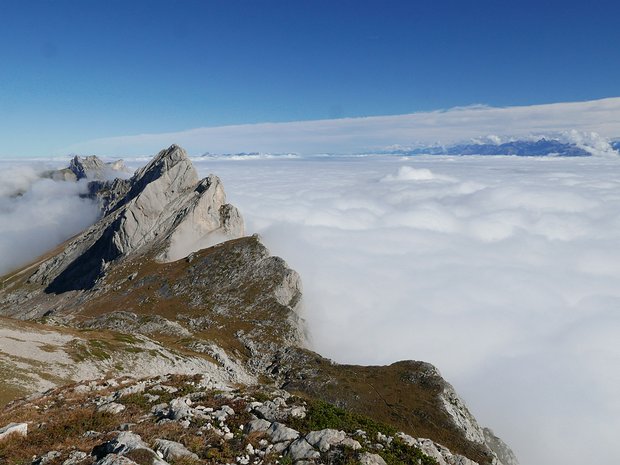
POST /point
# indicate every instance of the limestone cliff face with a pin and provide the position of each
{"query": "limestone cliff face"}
(504, 453)
(91, 168)
(168, 261)
(163, 207)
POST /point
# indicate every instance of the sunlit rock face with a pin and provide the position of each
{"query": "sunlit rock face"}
(163, 207)
(91, 168)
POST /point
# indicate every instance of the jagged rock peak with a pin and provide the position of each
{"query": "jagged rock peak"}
(168, 173)
(90, 167)
(172, 164)
(86, 167)
(163, 209)
(166, 158)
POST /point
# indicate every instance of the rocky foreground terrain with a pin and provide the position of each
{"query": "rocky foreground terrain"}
(193, 420)
(166, 288)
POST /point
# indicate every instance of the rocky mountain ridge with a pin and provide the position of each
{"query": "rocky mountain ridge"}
(168, 265)
(90, 167)
(163, 206)
(189, 420)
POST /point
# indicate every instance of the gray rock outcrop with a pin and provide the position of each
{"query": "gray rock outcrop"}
(172, 450)
(208, 433)
(501, 449)
(371, 459)
(91, 167)
(125, 443)
(20, 429)
(301, 450)
(88, 167)
(164, 208)
(280, 433)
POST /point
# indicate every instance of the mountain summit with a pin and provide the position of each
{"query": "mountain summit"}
(162, 208)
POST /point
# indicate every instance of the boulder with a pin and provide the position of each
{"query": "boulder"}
(280, 433)
(76, 457)
(258, 425)
(179, 409)
(47, 458)
(325, 438)
(115, 459)
(111, 407)
(125, 443)
(172, 450)
(371, 459)
(301, 450)
(20, 429)
(162, 208)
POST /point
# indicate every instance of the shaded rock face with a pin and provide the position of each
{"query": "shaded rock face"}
(163, 207)
(230, 304)
(86, 167)
(501, 449)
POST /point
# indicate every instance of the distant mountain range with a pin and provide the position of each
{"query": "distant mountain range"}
(525, 148)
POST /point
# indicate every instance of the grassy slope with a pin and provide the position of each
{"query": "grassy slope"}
(223, 286)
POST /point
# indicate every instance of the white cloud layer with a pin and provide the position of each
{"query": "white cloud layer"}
(350, 135)
(502, 271)
(37, 214)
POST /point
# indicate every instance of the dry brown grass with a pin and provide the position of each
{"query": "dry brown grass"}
(10, 392)
(62, 431)
(59, 420)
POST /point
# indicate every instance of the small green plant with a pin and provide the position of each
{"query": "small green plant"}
(322, 415)
(261, 396)
(344, 456)
(138, 400)
(126, 338)
(99, 349)
(399, 453)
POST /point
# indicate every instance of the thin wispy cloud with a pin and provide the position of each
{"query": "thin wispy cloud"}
(349, 135)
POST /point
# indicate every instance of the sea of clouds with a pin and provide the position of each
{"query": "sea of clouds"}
(502, 271)
(36, 213)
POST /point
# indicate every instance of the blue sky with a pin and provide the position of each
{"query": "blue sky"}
(72, 71)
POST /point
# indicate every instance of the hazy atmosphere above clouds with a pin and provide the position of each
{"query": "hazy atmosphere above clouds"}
(574, 121)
